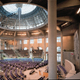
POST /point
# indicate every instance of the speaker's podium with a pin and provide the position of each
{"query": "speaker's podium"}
(45, 74)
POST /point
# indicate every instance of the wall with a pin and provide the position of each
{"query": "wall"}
(68, 43)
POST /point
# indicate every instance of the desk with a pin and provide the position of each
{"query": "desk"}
(45, 74)
(76, 76)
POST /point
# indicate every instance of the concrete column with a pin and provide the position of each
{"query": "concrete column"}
(44, 48)
(3, 45)
(29, 45)
(0, 44)
(61, 48)
(22, 44)
(14, 43)
(79, 49)
(52, 23)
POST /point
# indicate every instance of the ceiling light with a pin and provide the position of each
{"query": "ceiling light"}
(21, 34)
(64, 24)
(47, 31)
(35, 33)
(78, 11)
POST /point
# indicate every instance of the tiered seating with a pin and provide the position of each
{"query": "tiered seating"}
(42, 64)
(9, 52)
(24, 53)
(68, 70)
(37, 59)
(13, 68)
(37, 53)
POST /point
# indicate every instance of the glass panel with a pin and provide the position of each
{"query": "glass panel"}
(25, 41)
(58, 39)
(58, 57)
(39, 40)
(26, 8)
(58, 49)
(32, 41)
(46, 40)
(47, 49)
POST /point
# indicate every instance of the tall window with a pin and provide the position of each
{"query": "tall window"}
(47, 49)
(58, 49)
(46, 40)
(58, 57)
(20, 42)
(39, 40)
(25, 41)
(58, 39)
(32, 41)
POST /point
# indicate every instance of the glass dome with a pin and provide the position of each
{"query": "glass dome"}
(23, 17)
(25, 8)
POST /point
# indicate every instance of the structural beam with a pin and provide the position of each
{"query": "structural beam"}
(41, 31)
(29, 1)
(15, 34)
(28, 34)
(68, 3)
(2, 32)
(52, 23)
(65, 18)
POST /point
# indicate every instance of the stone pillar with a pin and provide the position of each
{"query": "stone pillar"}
(44, 48)
(22, 44)
(14, 43)
(29, 45)
(61, 48)
(3, 45)
(79, 50)
(52, 23)
(0, 44)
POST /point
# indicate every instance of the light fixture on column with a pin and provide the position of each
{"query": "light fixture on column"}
(78, 11)
(47, 31)
(64, 24)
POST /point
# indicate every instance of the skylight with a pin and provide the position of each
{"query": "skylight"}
(26, 8)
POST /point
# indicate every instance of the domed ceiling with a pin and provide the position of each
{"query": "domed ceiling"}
(23, 17)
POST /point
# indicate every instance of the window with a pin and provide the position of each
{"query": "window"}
(30, 49)
(25, 48)
(58, 57)
(39, 40)
(46, 40)
(58, 39)
(47, 49)
(40, 48)
(31, 41)
(58, 49)
(25, 41)
(20, 42)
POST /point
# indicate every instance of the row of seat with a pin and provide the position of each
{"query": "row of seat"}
(13, 70)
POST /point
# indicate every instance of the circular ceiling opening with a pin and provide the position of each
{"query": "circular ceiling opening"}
(22, 17)
(25, 8)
